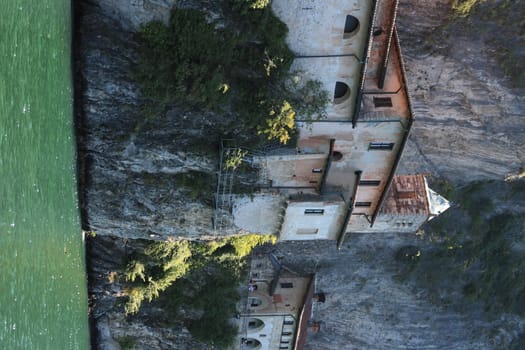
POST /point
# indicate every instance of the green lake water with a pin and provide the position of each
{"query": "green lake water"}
(43, 293)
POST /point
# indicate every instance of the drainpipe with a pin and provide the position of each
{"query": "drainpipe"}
(405, 135)
(327, 166)
(350, 209)
(359, 98)
(382, 73)
(406, 132)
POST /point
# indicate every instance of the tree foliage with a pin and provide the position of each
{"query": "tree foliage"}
(280, 124)
(242, 67)
(196, 275)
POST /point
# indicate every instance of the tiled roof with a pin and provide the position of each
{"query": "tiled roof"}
(407, 196)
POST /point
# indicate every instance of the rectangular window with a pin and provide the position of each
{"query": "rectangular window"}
(287, 333)
(382, 102)
(369, 183)
(317, 170)
(313, 182)
(307, 231)
(287, 285)
(288, 322)
(387, 146)
(313, 211)
(283, 347)
(363, 204)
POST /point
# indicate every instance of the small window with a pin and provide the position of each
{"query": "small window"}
(387, 146)
(351, 26)
(341, 92)
(255, 302)
(317, 170)
(382, 102)
(251, 343)
(287, 333)
(283, 347)
(377, 31)
(288, 322)
(363, 204)
(313, 211)
(337, 156)
(369, 183)
(307, 231)
(255, 323)
(287, 285)
(312, 182)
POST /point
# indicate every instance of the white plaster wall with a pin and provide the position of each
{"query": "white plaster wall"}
(316, 27)
(258, 213)
(328, 71)
(327, 224)
(387, 223)
(295, 170)
(354, 146)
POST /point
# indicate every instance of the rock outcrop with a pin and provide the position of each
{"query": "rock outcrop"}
(131, 163)
(469, 120)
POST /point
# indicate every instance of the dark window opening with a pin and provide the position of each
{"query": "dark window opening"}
(287, 333)
(307, 231)
(351, 25)
(336, 156)
(283, 347)
(382, 102)
(288, 322)
(363, 204)
(254, 302)
(369, 183)
(312, 182)
(286, 285)
(388, 146)
(313, 211)
(377, 31)
(340, 90)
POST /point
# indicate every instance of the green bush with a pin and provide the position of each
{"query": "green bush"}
(127, 342)
(196, 275)
(243, 68)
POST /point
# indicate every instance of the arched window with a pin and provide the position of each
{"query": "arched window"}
(351, 26)
(254, 302)
(255, 324)
(341, 92)
(251, 343)
(336, 156)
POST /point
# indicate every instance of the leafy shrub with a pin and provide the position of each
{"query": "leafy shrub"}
(195, 275)
(244, 69)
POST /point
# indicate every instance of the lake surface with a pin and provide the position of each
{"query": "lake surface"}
(43, 292)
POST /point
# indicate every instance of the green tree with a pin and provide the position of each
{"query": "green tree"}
(280, 124)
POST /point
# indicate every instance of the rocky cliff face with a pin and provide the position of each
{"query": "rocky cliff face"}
(134, 179)
(137, 170)
(469, 115)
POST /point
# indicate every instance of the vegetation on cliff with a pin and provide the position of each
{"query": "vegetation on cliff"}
(494, 21)
(202, 277)
(240, 65)
(475, 251)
